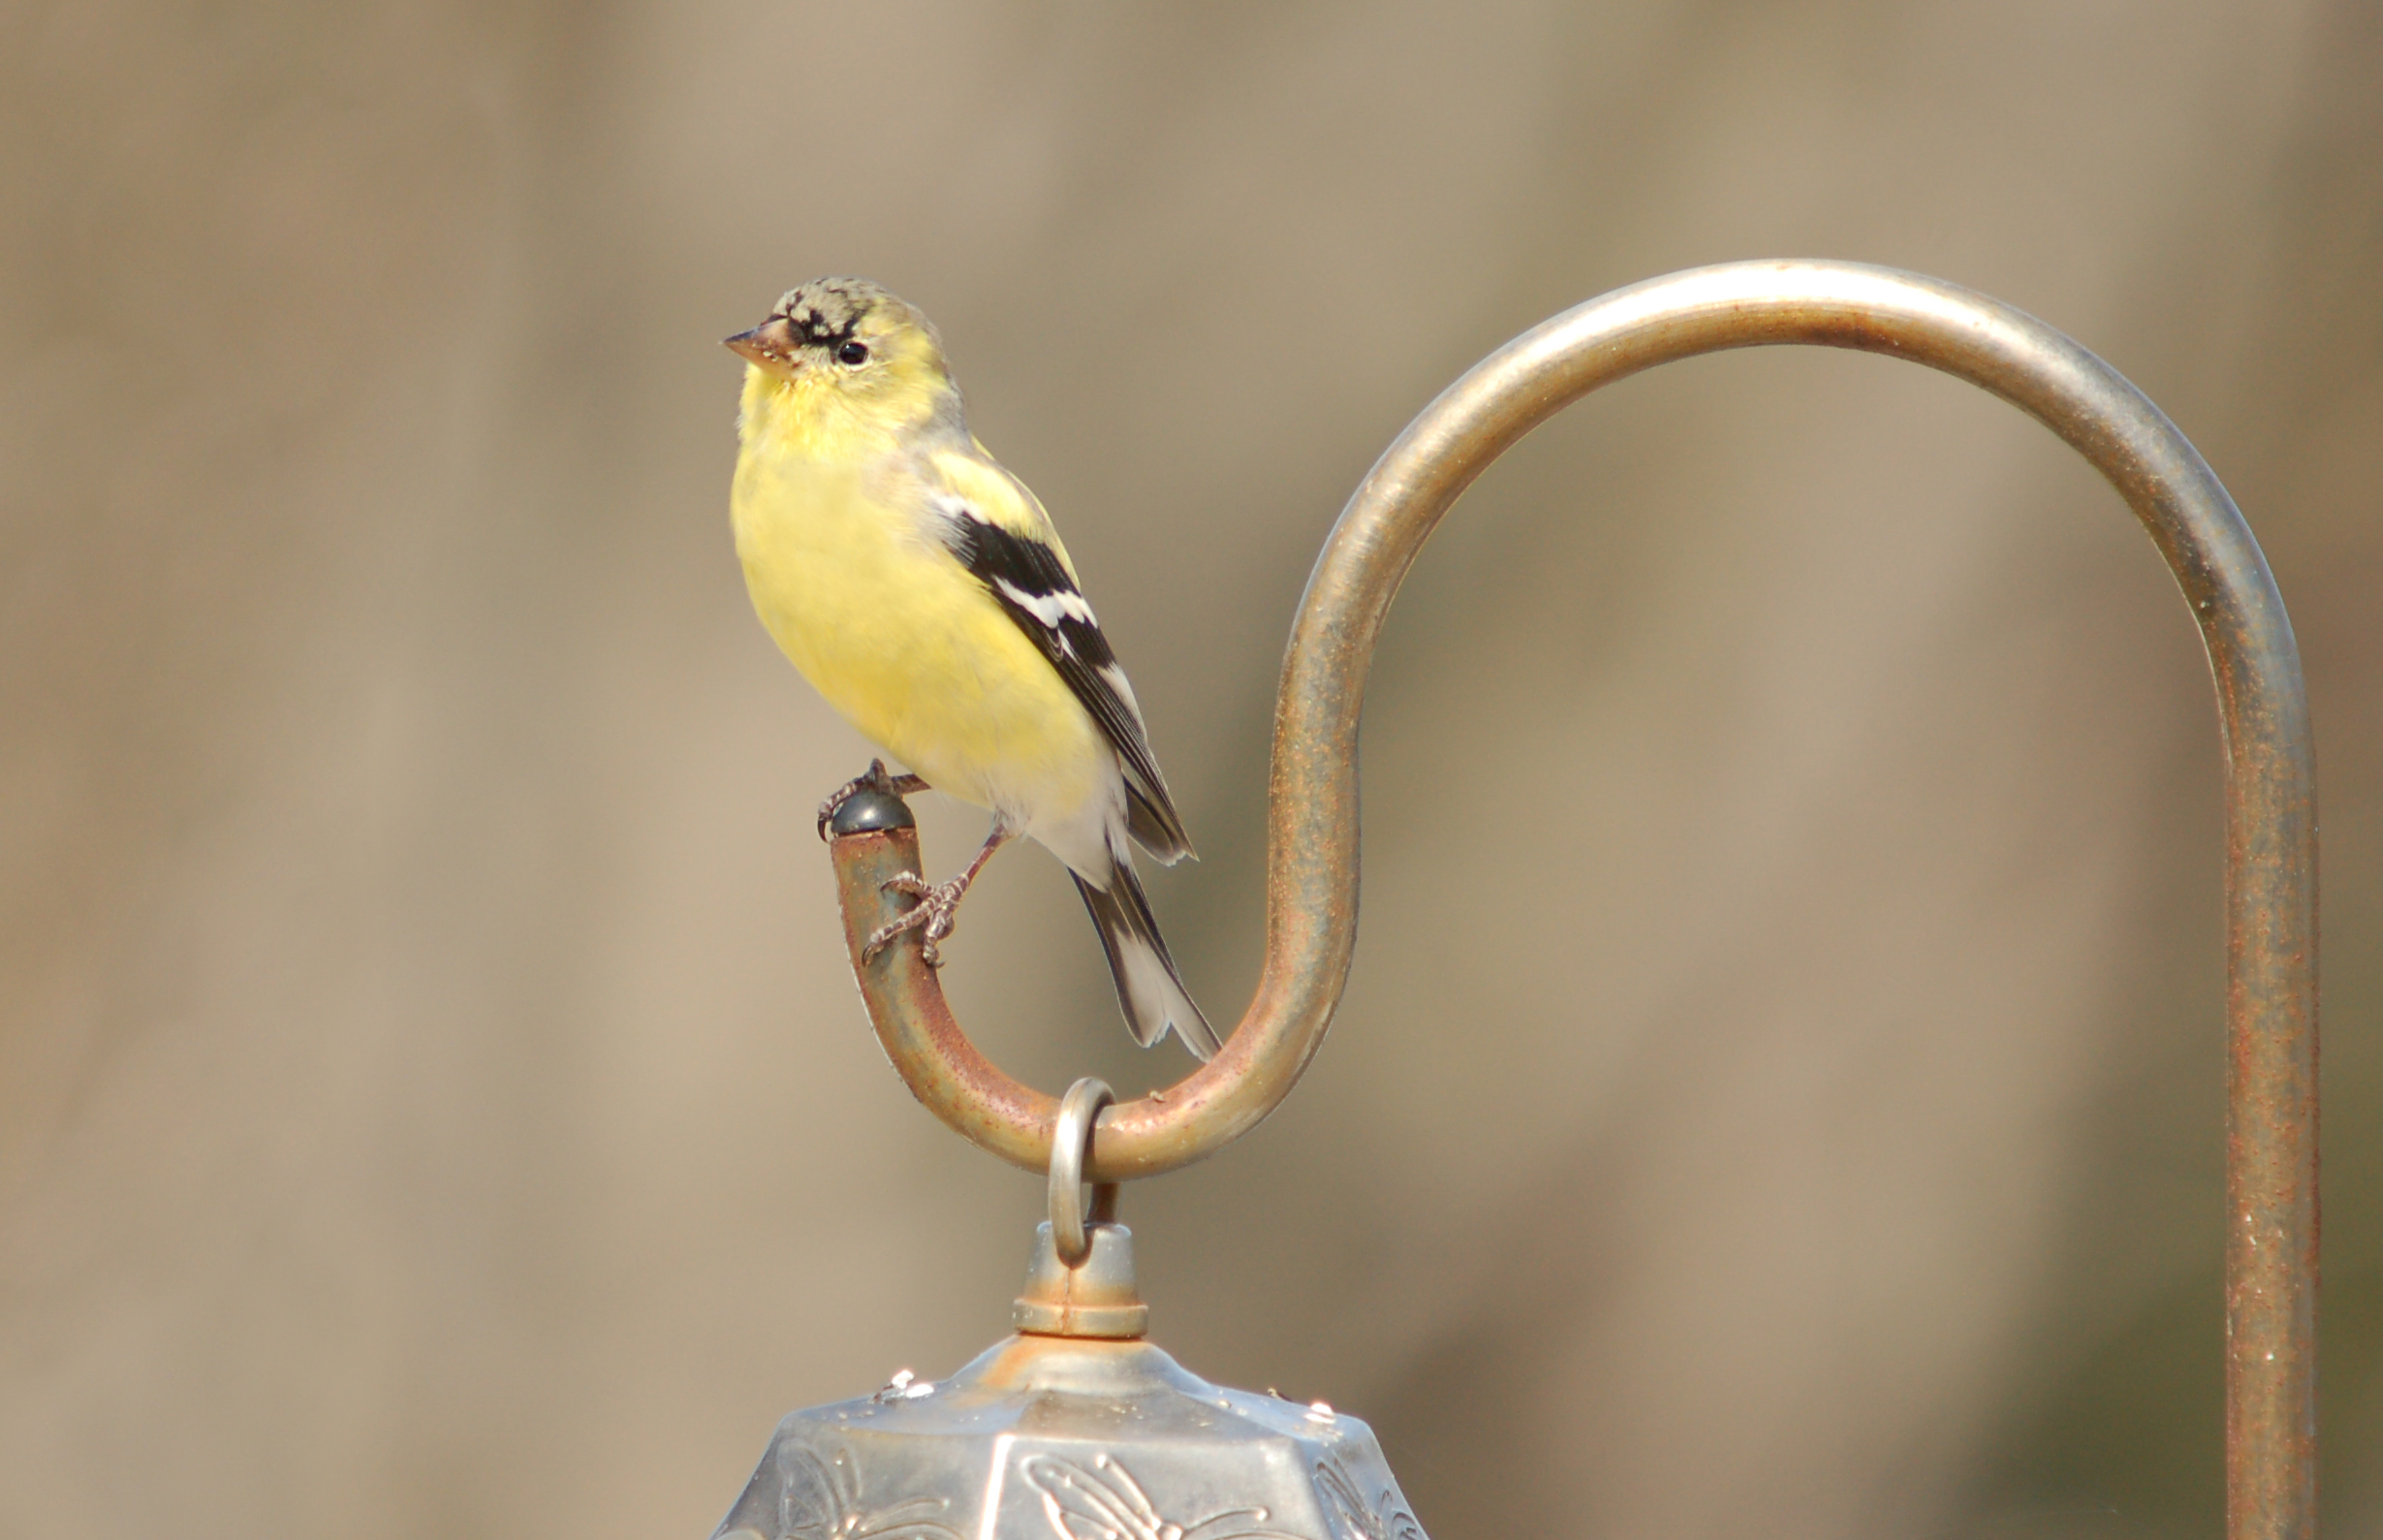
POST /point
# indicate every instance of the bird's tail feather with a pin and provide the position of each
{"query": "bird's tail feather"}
(1149, 990)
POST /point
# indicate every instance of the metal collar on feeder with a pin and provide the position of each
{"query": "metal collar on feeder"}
(1311, 904)
(1080, 1281)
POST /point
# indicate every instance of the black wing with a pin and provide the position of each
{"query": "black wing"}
(1029, 581)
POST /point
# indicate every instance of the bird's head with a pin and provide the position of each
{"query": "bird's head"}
(844, 350)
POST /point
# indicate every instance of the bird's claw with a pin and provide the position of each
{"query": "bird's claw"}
(876, 778)
(933, 916)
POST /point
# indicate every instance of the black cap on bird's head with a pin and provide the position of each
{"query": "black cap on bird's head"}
(840, 322)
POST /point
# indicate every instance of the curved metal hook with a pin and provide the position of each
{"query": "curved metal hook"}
(1312, 850)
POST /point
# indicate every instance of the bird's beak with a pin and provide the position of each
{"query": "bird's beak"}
(770, 346)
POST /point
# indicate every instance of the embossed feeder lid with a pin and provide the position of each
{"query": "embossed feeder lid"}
(1072, 1438)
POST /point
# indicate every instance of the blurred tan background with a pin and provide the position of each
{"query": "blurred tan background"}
(431, 1098)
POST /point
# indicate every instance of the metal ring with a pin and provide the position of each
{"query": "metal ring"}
(1070, 1139)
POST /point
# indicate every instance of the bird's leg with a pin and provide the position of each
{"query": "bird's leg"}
(876, 778)
(934, 915)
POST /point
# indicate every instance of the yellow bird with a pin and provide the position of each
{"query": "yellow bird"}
(923, 590)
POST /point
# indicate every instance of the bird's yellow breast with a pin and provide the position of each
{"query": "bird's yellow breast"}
(842, 557)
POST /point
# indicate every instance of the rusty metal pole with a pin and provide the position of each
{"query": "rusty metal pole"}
(1312, 847)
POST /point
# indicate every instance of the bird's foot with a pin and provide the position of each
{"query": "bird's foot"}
(933, 916)
(876, 778)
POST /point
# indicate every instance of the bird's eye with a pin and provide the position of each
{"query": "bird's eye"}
(854, 352)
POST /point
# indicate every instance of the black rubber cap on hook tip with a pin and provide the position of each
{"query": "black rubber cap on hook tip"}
(866, 811)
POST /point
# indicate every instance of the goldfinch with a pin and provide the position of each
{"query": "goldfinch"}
(923, 590)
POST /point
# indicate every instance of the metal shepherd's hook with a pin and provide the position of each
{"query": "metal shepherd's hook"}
(1311, 852)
